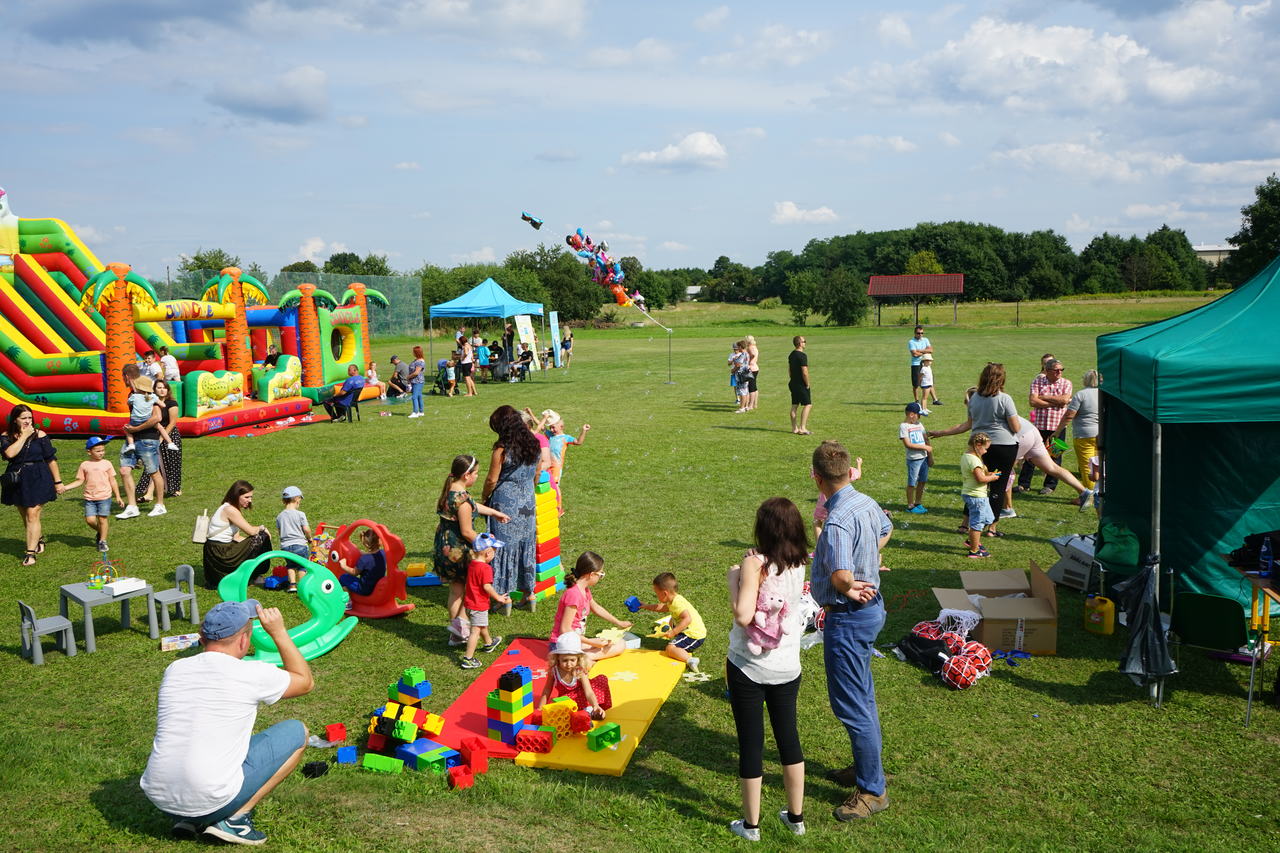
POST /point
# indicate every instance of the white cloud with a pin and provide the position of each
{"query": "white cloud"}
(353, 121)
(868, 143)
(773, 45)
(712, 20)
(1080, 225)
(421, 214)
(443, 100)
(673, 246)
(949, 139)
(89, 234)
(789, 213)
(647, 51)
(298, 96)
(408, 166)
(603, 224)
(316, 250)
(484, 255)
(753, 133)
(1093, 159)
(698, 150)
(1171, 211)
(893, 30)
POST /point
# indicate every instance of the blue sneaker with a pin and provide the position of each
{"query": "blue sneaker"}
(918, 509)
(237, 830)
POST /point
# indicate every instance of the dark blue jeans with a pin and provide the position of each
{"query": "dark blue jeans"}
(846, 644)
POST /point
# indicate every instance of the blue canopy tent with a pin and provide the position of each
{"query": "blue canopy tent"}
(486, 299)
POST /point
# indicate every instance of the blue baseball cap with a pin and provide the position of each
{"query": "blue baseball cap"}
(914, 408)
(93, 441)
(486, 540)
(227, 618)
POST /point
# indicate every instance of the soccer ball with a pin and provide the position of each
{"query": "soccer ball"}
(960, 672)
(953, 640)
(928, 630)
(978, 653)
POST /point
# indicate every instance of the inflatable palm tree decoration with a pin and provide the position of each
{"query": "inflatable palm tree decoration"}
(361, 296)
(235, 288)
(305, 298)
(113, 293)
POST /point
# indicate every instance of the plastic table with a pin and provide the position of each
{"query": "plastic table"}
(88, 599)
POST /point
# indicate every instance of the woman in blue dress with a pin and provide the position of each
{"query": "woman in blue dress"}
(508, 489)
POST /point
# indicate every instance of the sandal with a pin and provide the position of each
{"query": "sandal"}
(997, 533)
(30, 558)
(962, 529)
(40, 543)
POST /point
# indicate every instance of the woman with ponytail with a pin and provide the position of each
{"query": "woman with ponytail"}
(454, 535)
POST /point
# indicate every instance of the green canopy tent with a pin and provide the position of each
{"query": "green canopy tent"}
(1191, 431)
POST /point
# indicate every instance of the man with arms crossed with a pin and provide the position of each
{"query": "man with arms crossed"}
(845, 581)
(207, 769)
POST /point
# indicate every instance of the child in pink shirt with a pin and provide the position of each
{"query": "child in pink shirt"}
(577, 601)
(98, 476)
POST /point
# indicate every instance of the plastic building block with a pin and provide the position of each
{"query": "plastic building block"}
(377, 742)
(544, 477)
(513, 679)
(274, 582)
(314, 769)
(535, 740)
(433, 724)
(461, 777)
(633, 603)
(413, 675)
(386, 727)
(382, 763)
(603, 736)
(580, 722)
(429, 579)
(404, 730)
(410, 753)
(280, 571)
(475, 752)
(335, 732)
(534, 719)
(541, 488)
(419, 690)
(413, 715)
(391, 709)
(506, 732)
(415, 570)
(347, 755)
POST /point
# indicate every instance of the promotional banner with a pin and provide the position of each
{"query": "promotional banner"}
(524, 329)
(555, 338)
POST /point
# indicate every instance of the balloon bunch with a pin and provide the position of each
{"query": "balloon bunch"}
(605, 271)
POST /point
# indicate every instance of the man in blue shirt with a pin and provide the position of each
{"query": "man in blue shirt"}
(845, 581)
(917, 346)
(346, 396)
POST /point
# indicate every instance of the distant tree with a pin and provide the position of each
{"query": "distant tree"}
(257, 272)
(564, 278)
(1191, 270)
(208, 259)
(841, 295)
(1100, 264)
(300, 266)
(1258, 240)
(923, 262)
(349, 263)
(1149, 268)
(728, 281)
(802, 288)
(774, 272)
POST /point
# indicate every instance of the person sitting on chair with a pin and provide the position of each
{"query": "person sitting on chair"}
(524, 364)
(398, 383)
(346, 397)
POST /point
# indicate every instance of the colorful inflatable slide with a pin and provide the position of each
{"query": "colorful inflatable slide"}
(68, 324)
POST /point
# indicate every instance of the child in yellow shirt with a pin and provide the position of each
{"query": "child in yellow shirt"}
(687, 631)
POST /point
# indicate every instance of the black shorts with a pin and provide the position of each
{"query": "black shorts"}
(801, 395)
(464, 370)
(751, 383)
(915, 375)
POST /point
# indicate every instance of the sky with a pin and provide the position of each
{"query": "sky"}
(280, 130)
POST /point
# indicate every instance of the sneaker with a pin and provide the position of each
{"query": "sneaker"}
(918, 509)
(925, 413)
(130, 511)
(236, 830)
(171, 446)
(184, 829)
(740, 829)
(1045, 491)
(455, 640)
(102, 546)
(1086, 500)
(492, 645)
(860, 805)
(470, 663)
(1019, 489)
(692, 664)
(796, 826)
(937, 402)
(979, 554)
(157, 510)
(844, 776)
(1008, 512)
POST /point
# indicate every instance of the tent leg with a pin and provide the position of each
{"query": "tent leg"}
(431, 336)
(1157, 465)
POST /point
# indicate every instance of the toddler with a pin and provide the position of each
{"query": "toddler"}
(369, 569)
(918, 450)
(568, 674)
(926, 384)
(577, 601)
(99, 478)
(974, 492)
(295, 532)
(558, 440)
(479, 593)
(687, 631)
(451, 376)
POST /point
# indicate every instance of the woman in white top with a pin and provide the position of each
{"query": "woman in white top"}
(232, 539)
(770, 676)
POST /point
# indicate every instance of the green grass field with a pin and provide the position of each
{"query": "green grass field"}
(1060, 753)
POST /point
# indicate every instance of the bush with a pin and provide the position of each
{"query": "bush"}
(770, 302)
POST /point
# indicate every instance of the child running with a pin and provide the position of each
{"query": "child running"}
(99, 478)
(295, 532)
(369, 569)
(568, 674)
(577, 601)
(454, 536)
(479, 593)
(918, 450)
(974, 491)
(687, 631)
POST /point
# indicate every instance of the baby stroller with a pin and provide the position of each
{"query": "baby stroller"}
(441, 384)
(500, 369)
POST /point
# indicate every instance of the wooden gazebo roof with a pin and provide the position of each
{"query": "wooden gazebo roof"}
(945, 284)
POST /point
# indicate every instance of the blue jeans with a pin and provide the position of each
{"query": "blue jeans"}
(145, 452)
(846, 650)
(268, 751)
(415, 390)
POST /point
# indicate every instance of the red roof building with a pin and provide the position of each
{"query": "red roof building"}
(913, 287)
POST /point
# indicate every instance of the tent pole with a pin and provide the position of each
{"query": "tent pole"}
(431, 336)
(1157, 456)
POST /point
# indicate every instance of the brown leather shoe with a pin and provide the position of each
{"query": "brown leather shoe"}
(846, 777)
(860, 805)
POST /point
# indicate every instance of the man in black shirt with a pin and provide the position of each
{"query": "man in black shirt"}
(801, 398)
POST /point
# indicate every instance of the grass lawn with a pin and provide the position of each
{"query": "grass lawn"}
(1059, 753)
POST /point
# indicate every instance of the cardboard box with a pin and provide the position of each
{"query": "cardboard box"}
(178, 642)
(123, 585)
(1029, 624)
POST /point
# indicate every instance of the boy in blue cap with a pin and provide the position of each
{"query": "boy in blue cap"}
(98, 476)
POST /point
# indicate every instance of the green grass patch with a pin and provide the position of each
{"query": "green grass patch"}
(1060, 753)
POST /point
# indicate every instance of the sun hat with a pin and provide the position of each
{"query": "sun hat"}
(927, 357)
(227, 617)
(551, 417)
(568, 643)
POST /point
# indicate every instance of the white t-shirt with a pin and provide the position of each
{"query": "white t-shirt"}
(780, 665)
(170, 365)
(913, 433)
(926, 376)
(208, 705)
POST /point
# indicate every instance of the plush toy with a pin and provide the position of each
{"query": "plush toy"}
(765, 630)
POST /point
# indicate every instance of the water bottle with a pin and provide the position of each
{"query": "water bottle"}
(1266, 558)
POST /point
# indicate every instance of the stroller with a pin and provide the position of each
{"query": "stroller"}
(441, 384)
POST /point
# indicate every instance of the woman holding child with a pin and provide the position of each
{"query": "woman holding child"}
(508, 489)
(170, 457)
(759, 676)
(232, 539)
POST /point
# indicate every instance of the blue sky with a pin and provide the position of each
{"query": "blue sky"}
(283, 129)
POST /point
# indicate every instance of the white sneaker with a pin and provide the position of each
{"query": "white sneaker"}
(171, 446)
(797, 826)
(157, 510)
(130, 511)
(739, 829)
(1008, 513)
(926, 412)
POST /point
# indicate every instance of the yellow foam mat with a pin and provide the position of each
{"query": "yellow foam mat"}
(639, 682)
